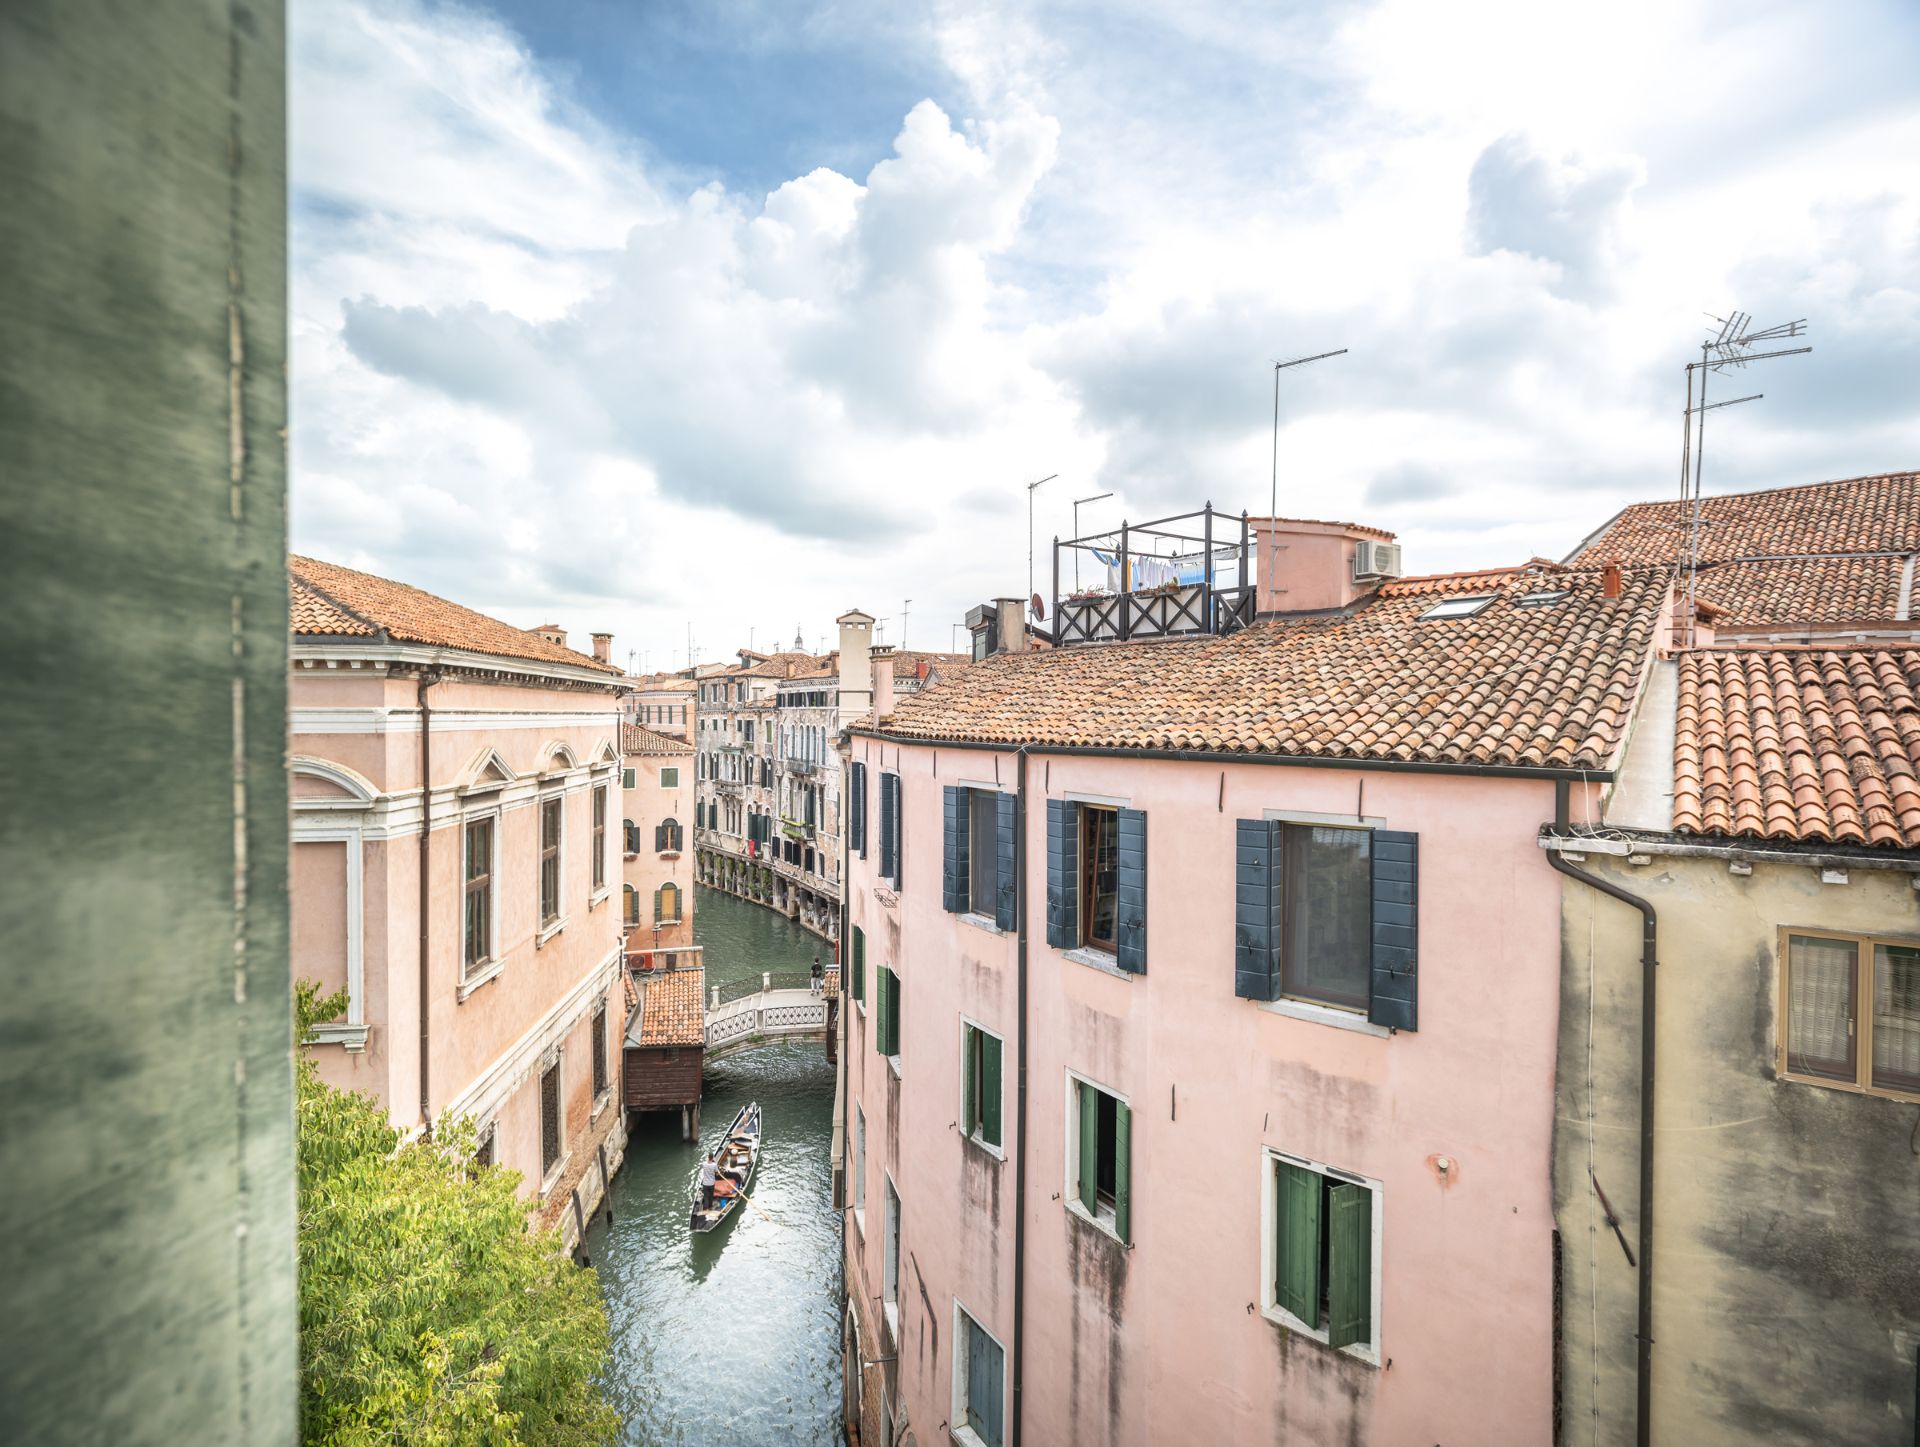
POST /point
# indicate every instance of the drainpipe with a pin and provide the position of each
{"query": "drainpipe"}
(1643, 1332)
(426, 681)
(1020, 894)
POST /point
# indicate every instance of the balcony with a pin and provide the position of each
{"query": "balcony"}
(805, 768)
(1176, 577)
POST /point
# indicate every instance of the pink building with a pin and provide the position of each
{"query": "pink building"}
(503, 998)
(1196, 1091)
(657, 829)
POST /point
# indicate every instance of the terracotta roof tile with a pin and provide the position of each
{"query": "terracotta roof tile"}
(324, 594)
(1814, 745)
(635, 739)
(671, 1010)
(1804, 590)
(1537, 686)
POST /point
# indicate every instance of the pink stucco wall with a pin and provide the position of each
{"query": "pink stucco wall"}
(647, 804)
(1158, 1343)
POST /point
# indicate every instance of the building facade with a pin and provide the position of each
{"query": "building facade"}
(1262, 923)
(456, 860)
(657, 793)
(664, 703)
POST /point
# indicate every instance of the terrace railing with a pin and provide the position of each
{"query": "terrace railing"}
(1176, 609)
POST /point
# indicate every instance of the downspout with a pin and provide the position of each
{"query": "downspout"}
(425, 682)
(1643, 1332)
(1020, 1056)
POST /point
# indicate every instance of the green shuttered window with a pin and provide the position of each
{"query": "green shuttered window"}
(857, 808)
(1102, 1127)
(886, 1030)
(980, 1084)
(1323, 1253)
(857, 964)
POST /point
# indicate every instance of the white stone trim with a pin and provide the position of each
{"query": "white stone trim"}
(1070, 1176)
(354, 655)
(356, 784)
(495, 961)
(375, 720)
(351, 1033)
(521, 1060)
(957, 1417)
(1324, 1015)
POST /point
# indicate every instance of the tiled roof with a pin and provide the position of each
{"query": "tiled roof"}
(1806, 590)
(671, 1011)
(662, 683)
(324, 594)
(1536, 686)
(1880, 513)
(1329, 523)
(907, 665)
(1807, 744)
(637, 740)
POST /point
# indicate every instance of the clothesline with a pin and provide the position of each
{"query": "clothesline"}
(1150, 570)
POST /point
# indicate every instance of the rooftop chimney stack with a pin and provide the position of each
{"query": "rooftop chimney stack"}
(1013, 624)
(856, 667)
(882, 662)
(603, 647)
(1301, 566)
(1610, 578)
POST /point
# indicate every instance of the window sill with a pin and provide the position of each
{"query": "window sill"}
(1099, 960)
(1825, 1082)
(1324, 1015)
(1102, 1223)
(669, 854)
(890, 1311)
(1281, 1317)
(860, 1221)
(893, 1064)
(981, 921)
(965, 1436)
(981, 1143)
(479, 977)
(354, 1037)
(548, 931)
(600, 1104)
(600, 896)
(556, 1175)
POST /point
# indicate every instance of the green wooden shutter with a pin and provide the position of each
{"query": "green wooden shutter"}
(1296, 1276)
(969, 1079)
(1394, 997)
(893, 1013)
(955, 827)
(990, 1089)
(880, 978)
(857, 959)
(1350, 1265)
(1122, 1169)
(1089, 1145)
(1063, 874)
(1130, 898)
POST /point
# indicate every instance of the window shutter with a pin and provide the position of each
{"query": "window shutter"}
(899, 835)
(893, 1013)
(994, 1393)
(1296, 1278)
(1122, 1170)
(1063, 873)
(882, 988)
(857, 808)
(969, 1079)
(1130, 894)
(990, 1089)
(858, 985)
(1350, 1265)
(1089, 1146)
(953, 851)
(1256, 909)
(1006, 912)
(1395, 997)
(659, 838)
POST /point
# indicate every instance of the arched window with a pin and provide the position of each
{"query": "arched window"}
(666, 836)
(632, 903)
(630, 835)
(666, 904)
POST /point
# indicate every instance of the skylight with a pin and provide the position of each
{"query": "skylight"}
(1457, 607)
(1539, 600)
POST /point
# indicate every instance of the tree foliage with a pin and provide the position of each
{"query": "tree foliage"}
(429, 1313)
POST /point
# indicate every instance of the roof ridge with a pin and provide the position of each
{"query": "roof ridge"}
(1788, 487)
(333, 602)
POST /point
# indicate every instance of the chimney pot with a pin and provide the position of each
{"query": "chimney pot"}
(1610, 578)
(882, 682)
(603, 647)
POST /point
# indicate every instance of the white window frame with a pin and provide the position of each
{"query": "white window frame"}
(957, 1415)
(352, 1032)
(975, 1138)
(890, 1235)
(548, 931)
(1270, 1308)
(1070, 1190)
(860, 1170)
(487, 969)
(610, 866)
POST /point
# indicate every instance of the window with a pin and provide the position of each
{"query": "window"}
(670, 778)
(1099, 875)
(1099, 1152)
(983, 880)
(857, 957)
(980, 1085)
(550, 1118)
(886, 1028)
(1321, 1225)
(1326, 950)
(860, 1169)
(549, 860)
(631, 901)
(483, 1152)
(479, 904)
(629, 837)
(890, 840)
(626, 778)
(1827, 1038)
(979, 1382)
(666, 836)
(666, 904)
(1456, 608)
(890, 1261)
(600, 838)
(600, 1052)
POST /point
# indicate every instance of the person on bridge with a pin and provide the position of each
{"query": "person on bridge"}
(709, 1172)
(817, 978)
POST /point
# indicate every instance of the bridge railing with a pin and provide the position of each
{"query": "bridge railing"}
(718, 995)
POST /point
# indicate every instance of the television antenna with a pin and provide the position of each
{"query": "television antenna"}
(1273, 499)
(1731, 346)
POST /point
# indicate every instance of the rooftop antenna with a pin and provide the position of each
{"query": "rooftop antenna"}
(1077, 503)
(1731, 345)
(1273, 499)
(1032, 488)
(907, 606)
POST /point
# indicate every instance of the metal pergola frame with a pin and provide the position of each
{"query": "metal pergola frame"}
(1197, 609)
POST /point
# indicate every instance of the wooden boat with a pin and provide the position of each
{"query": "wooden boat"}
(738, 1154)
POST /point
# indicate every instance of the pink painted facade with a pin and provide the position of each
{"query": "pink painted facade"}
(1176, 1335)
(509, 740)
(657, 828)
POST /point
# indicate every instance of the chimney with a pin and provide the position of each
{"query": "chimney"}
(1610, 578)
(1316, 567)
(856, 668)
(603, 647)
(1013, 624)
(882, 662)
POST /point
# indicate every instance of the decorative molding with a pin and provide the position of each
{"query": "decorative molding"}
(510, 1070)
(455, 660)
(319, 832)
(367, 720)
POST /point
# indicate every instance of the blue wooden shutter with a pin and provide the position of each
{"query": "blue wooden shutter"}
(1007, 897)
(891, 788)
(1256, 909)
(1349, 1265)
(857, 808)
(889, 826)
(1395, 996)
(955, 827)
(1063, 874)
(1130, 893)
(1296, 1276)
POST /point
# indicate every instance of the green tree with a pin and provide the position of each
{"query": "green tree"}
(429, 1313)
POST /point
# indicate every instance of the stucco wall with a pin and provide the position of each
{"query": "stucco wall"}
(647, 803)
(1787, 1247)
(146, 1235)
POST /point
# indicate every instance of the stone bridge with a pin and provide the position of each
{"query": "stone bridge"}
(784, 1007)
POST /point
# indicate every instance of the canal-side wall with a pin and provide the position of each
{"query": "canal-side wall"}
(584, 1179)
(815, 910)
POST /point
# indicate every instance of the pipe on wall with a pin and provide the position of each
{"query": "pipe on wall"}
(425, 682)
(1021, 893)
(1649, 939)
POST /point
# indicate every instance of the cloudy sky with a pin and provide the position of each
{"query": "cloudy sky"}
(737, 314)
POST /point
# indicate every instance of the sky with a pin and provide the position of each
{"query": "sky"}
(709, 321)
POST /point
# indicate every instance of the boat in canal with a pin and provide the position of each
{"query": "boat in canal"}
(738, 1154)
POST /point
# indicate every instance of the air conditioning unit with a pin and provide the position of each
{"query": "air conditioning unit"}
(1376, 560)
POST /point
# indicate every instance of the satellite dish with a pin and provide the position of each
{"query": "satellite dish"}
(1039, 608)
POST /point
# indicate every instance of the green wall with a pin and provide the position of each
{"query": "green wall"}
(146, 1141)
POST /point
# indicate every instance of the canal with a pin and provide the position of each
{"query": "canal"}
(734, 1337)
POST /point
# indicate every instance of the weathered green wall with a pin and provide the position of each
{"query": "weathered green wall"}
(1787, 1216)
(146, 1155)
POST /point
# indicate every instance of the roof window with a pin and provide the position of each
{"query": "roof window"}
(1457, 607)
(1539, 600)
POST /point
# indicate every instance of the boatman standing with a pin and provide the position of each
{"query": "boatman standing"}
(709, 1172)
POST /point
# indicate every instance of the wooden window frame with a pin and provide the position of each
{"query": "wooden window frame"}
(1085, 865)
(550, 1169)
(670, 783)
(1287, 882)
(470, 963)
(557, 803)
(602, 1074)
(1368, 1351)
(962, 1429)
(602, 807)
(974, 1094)
(1115, 1220)
(1863, 1081)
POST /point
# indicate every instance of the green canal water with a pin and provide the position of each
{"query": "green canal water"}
(731, 1338)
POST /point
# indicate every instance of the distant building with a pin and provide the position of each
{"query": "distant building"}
(656, 840)
(402, 701)
(665, 703)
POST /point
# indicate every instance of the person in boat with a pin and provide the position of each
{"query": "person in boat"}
(709, 1174)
